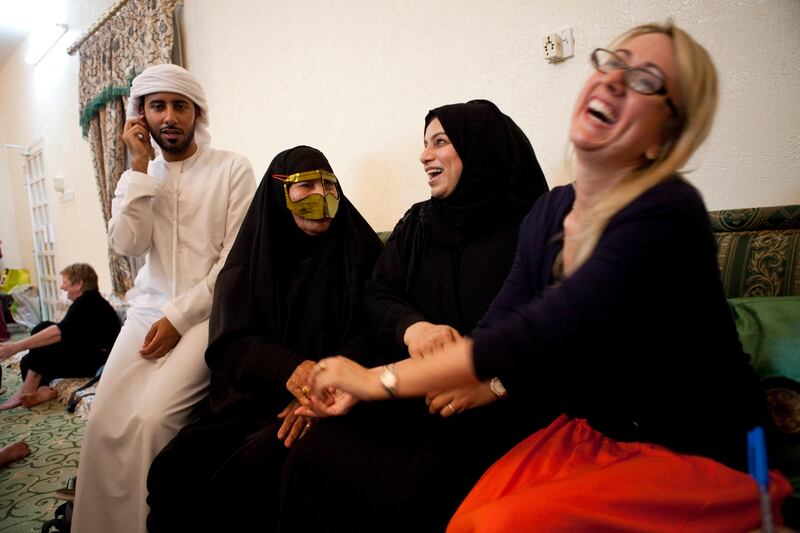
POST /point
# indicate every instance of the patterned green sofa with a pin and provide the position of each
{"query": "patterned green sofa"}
(759, 258)
(759, 250)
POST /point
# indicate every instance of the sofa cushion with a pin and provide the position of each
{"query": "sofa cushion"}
(769, 328)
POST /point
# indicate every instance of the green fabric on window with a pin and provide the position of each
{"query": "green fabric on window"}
(769, 328)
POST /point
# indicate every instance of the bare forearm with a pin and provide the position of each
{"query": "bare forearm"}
(449, 368)
(47, 336)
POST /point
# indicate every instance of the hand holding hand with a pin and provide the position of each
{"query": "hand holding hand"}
(424, 338)
(161, 338)
(294, 426)
(298, 381)
(341, 373)
(137, 138)
(451, 402)
(341, 404)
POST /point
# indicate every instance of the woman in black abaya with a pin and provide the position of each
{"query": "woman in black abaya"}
(290, 293)
(406, 465)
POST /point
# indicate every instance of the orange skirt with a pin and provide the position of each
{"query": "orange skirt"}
(569, 477)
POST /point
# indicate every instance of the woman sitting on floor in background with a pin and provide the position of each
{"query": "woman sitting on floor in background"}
(406, 466)
(656, 391)
(290, 293)
(75, 347)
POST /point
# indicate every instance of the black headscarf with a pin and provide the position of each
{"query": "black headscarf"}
(501, 176)
(283, 296)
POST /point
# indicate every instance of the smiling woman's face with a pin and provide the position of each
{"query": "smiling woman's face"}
(617, 124)
(73, 290)
(440, 160)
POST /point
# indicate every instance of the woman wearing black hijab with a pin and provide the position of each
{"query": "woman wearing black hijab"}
(405, 466)
(290, 293)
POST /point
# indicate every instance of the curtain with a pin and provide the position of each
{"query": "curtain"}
(133, 35)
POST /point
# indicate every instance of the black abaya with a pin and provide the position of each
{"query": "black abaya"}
(393, 466)
(282, 298)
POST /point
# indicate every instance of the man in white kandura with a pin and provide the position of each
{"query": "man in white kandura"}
(182, 210)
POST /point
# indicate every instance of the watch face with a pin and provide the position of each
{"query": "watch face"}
(388, 379)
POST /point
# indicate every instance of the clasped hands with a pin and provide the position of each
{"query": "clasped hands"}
(299, 415)
(424, 339)
(337, 382)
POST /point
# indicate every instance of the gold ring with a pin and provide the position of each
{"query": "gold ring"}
(450, 405)
(305, 389)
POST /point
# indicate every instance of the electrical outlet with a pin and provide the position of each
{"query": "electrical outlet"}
(559, 46)
(552, 48)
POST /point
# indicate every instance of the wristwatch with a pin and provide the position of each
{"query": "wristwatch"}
(498, 389)
(389, 380)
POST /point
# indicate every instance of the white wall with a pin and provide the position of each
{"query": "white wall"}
(355, 78)
(41, 102)
(8, 214)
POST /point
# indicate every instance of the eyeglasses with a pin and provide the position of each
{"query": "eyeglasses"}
(639, 79)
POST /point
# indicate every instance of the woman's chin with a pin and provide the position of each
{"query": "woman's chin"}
(313, 227)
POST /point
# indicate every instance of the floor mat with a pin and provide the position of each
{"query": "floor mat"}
(27, 485)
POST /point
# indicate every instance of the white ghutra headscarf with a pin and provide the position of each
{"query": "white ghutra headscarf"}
(171, 79)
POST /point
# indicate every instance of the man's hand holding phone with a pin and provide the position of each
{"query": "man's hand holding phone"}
(137, 138)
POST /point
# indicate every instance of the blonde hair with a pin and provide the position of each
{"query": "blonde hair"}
(696, 104)
(83, 273)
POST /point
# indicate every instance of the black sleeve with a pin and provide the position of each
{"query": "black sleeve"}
(243, 358)
(615, 283)
(517, 288)
(79, 321)
(388, 307)
(249, 362)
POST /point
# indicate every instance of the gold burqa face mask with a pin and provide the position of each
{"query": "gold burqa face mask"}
(314, 206)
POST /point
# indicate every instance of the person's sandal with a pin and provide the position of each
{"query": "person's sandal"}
(67, 493)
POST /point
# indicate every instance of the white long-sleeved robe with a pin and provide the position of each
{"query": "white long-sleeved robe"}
(184, 216)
